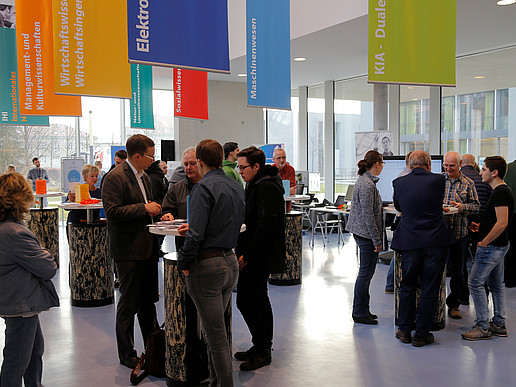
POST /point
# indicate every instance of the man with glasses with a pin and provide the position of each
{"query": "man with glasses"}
(129, 208)
(260, 251)
(174, 204)
(461, 193)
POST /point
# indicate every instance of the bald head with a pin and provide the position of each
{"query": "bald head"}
(420, 159)
(468, 159)
(452, 164)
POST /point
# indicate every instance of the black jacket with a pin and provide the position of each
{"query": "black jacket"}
(484, 190)
(263, 243)
(159, 183)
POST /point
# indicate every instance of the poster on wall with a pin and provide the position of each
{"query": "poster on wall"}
(412, 42)
(190, 34)
(90, 48)
(142, 114)
(9, 97)
(268, 149)
(380, 141)
(36, 62)
(71, 173)
(7, 15)
(268, 53)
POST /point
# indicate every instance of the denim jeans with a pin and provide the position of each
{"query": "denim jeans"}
(23, 352)
(488, 265)
(424, 268)
(456, 257)
(210, 284)
(368, 260)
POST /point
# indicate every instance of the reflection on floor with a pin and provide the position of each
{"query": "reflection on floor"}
(316, 342)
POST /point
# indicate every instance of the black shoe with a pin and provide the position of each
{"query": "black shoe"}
(117, 284)
(130, 362)
(365, 320)
(244, 355)
(373, 316)
(404, 336)
(420, 341)
(257, 359)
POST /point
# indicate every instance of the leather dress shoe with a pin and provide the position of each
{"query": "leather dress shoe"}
(130, 362)
(420, 341)
(373, 316)
(257, 359)
(455, 313)
(404, 336)
(365, 320)
(243, 355)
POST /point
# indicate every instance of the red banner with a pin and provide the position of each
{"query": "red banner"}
(191, 94)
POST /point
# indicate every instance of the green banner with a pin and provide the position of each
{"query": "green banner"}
(142, 116)
(9, 96)
(412, 42)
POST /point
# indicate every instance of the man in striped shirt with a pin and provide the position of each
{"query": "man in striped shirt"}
(461, 193)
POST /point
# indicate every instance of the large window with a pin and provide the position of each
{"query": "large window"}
(414, 118)
(353, 112)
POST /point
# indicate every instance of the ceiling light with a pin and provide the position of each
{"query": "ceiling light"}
(410, 87)
(242, 75)
(299, 59)
(480, 76)
(505, 2)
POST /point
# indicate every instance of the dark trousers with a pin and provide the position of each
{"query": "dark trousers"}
(368, 260)
(23, 352)
(457, 254)
(138, 293)
(421, 268)
(510, 257)
(254, 304)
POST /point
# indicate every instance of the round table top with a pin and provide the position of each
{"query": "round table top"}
(49, 195)
(291, 198)
(79, 206)
(171, 229)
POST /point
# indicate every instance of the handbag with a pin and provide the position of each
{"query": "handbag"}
(152, 361)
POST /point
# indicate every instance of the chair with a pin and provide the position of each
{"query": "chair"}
(323, 221)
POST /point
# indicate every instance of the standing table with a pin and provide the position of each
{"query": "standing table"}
(91, 267)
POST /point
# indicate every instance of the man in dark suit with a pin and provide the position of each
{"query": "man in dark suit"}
(422, 238)
(128, 204)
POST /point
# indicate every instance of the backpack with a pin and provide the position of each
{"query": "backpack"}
(152, 361)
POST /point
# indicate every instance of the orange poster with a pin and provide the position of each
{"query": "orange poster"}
(36, 62)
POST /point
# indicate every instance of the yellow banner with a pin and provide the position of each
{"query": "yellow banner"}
(90, 48)
(412, 42)
(35, 51)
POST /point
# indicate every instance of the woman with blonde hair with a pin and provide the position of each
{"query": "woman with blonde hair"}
(366, 224)
(25, 287)
(90, 173)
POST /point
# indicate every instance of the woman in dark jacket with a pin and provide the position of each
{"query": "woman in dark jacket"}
(366, 223)
(261, 251)
(25, 287)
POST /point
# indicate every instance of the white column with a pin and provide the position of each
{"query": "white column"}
(380, 95)
(329, 141)
(511, 151)
(435, 120)
(302, 130)
(394, 117)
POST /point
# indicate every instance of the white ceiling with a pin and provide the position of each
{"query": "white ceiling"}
(485, 31)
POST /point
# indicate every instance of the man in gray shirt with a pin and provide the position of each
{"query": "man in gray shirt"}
(37, 173)
(217, 205)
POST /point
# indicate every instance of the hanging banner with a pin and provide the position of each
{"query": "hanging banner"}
(9, 98)
(36, 62)
(191, 34)
(268, 53)
(190, 94)
(412, 42)
(142, 115)
(90, 48)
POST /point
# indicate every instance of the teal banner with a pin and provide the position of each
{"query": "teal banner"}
(9, 97)
(142, 116)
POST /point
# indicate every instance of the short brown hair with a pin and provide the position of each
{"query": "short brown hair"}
(121, 154)
(497, 163)
(253, 155)
(210, 153)
(138, 143)
(16, 196)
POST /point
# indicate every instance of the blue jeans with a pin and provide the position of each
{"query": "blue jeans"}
(368, 260)
(488, 265)
(389, 282)
(421, 268)
(23, 352)
(210, 284)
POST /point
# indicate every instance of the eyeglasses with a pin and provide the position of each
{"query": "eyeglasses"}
(243, 167)
(153, 157)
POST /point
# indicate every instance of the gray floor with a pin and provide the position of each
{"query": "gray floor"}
(316, 342)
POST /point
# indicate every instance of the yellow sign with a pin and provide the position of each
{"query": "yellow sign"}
(82, 192)
(412, 42)
(90, 48)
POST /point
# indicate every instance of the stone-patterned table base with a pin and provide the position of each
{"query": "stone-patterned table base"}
(440, 316)
(91, 268)
(294, 250)
(43, 223)
(186, 358)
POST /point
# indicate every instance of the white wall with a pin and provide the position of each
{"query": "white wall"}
(229, 119)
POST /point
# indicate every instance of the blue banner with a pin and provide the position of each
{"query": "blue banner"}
(191, 34)
(142, 115)
(268, 53)
(9, 95)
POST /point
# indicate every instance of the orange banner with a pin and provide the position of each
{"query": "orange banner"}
(36, 62)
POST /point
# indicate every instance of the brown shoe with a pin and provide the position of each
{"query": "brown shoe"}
(455, 313)
(404, 336)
